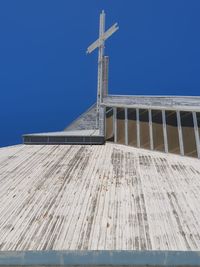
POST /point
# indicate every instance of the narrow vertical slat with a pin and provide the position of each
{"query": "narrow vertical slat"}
(150, 130)
(126, 126)
(115, 123)
(105, 126)
(164, 131)
(196, 131)
(102, 120)
(138, 127)
(180, 134)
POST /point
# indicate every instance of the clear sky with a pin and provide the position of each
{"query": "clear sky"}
(46, 79)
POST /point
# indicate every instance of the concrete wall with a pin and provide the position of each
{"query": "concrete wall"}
(132, 132)
(158, 138)
(109, 124)
(120, 126)
(189, 143)
(144, 128)
(172, 132)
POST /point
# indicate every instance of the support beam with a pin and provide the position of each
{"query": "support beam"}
(150, 129)
(115, 123)
(138, 127)
(105, 122)
(180, 134)
(102, 120)
(105, 76)
(126, 126)
(196, 131)
(164, 131)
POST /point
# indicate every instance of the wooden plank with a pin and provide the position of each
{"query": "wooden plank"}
(138, 126)
(126, 126)
(150, 130)
(164, 131)
(180, 132)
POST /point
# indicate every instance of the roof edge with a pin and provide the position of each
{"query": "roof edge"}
(101, 257)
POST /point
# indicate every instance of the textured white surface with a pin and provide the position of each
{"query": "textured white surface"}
(86, 120)
(98, 198)
(187, 103)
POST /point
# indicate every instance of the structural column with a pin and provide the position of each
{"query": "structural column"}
(196, 131)
(115, 123)
(138, 126)
(164, 131)
(126, 126)
(180, 134)
(150, 129)
(102, 120)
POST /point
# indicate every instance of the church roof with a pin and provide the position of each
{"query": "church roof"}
(110, 197)
(188, 103)
(85, 121)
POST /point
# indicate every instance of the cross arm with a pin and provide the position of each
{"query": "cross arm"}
(105, 36)
(110, 31)
(93, 46)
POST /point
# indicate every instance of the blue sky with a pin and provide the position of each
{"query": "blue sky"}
(46, 79)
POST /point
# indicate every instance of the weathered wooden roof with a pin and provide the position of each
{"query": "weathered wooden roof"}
(187, 103)
(85, 121)
(110, 197)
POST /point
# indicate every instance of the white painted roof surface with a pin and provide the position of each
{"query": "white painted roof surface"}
(103, 197)
(86, 120)
(187, 103)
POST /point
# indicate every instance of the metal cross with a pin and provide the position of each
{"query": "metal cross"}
(99, 43)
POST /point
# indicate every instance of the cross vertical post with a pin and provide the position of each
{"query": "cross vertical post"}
(99, 43)
(100, 64)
